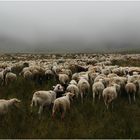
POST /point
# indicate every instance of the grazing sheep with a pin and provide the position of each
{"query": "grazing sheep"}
(45, 98)
(28, 75)
(6, 104)
(49, 74)
(92, 76)
(75, 76)
(109, 94)
(84, 87)
(42, 99)
(63, 79)
(72, 87)
(111, 75)
(97, 89)
(10, 77)
(62, 104)
(131, 91)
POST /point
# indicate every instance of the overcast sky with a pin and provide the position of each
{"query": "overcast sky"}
(88, 22)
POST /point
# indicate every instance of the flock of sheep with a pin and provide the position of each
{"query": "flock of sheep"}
(77, 78)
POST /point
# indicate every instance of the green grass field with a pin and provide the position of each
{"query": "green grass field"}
(83, 121)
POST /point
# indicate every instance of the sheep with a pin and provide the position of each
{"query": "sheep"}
(59, 89)
(109, 94)
(120, 81)
(62, 104)
(67, 71)
(84, 87)
(28, 75)
(72, 87)
(111, 75)
(75, 76)
(10, 77)
(130, 90)
(45, 98)
(106, 71)
(3, 74)
(97, 89)
(6, 104)
(49, 74)
(63, 79)
(92, 76)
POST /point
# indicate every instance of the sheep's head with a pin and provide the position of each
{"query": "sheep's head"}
(15, 102)
(70, 95)
(117, 86)
(58, 88)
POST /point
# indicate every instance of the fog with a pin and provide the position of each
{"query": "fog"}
(69, 26)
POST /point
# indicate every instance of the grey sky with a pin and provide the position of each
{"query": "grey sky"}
(87, 22)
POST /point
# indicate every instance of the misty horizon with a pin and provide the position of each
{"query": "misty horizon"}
(69, 26)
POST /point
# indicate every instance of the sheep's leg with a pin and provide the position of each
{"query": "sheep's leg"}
(40, 111)
(112, 105)
(106, 104)
(31, 107)
(63, 115)
(93, 97)
(82, 98)
(99, 96)
(134, 98)
(129, 98)
(53, 114)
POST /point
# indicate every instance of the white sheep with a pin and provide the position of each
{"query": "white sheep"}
(45, 98)
(84, 87)
(97, 89)
(109, 94)
(72, 87)
(63, 78)
(28, 75)
(6, 104)
(131, 91)
(62, 104)
(10, 77)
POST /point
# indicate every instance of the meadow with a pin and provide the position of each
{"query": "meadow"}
(86, 120)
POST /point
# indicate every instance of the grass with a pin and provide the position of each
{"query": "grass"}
(83, 121)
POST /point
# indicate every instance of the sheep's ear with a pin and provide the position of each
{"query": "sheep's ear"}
(18, 101)
(53, 86)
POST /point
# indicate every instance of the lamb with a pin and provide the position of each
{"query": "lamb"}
(72, 87)
(109, 94)
(97, 89)
(62, 104)
(131, 91)
(6, 104)
(84, 87)
(45, 98)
